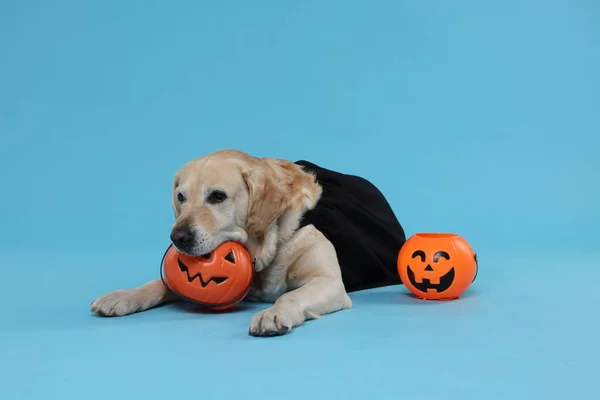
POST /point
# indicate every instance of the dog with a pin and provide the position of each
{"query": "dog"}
(315, 235)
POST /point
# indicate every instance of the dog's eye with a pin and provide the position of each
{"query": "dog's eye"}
(180, 198)
(216, 197)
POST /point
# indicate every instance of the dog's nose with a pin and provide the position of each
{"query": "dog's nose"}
(181, 237)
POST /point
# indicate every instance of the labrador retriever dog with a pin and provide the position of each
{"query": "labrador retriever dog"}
(315, 236)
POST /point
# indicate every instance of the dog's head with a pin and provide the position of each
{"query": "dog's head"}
(229, 195)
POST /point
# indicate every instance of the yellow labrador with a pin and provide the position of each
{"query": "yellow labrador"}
(315, 235)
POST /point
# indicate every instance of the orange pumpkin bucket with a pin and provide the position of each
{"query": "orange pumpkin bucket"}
(437, 266)
(219, 280)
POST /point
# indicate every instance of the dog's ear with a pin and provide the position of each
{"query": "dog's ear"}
(176, 207)
(268, 198)
(275, 186)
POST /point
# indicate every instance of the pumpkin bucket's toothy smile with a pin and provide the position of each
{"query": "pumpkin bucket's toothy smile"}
(203, 283)
(436, 284)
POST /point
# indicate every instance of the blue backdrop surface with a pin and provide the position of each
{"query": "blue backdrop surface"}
(479, 118)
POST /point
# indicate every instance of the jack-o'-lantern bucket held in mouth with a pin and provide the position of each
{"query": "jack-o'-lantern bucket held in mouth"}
(437, 266)
(219, 280)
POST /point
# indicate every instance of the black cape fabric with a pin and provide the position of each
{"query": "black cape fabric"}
(355, 216)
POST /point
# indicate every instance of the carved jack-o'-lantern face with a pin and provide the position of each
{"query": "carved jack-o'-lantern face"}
(437, 265)
(219, 280)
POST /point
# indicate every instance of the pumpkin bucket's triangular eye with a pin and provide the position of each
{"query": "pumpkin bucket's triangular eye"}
(182, 266)
(229, 257)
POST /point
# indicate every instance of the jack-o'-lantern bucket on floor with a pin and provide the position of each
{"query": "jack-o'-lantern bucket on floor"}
(219, 280)
(437, 266)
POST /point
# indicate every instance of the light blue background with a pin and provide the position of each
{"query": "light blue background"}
(480, 118)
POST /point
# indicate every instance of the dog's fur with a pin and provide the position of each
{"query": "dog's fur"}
(296, 269)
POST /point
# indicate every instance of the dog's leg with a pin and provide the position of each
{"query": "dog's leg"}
(313, 274)
(129, 301)
(320, 296)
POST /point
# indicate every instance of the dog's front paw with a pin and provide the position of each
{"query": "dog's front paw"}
(119, 303)
(273, 321)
